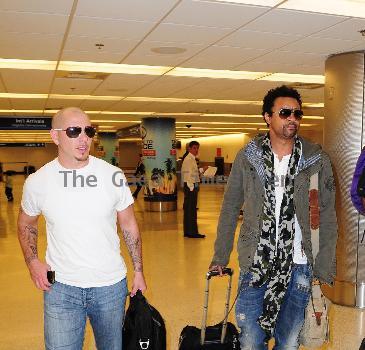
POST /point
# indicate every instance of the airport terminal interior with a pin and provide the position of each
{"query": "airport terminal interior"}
(206, 64)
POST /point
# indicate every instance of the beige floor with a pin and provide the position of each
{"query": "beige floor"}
(174, 268)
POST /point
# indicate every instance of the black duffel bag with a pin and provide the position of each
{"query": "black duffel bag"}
(144, 327)
(190, 338)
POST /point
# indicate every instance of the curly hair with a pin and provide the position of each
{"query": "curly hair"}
(281, 91)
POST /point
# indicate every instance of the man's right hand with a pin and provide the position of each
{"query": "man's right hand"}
(218, 268)
(38, 273)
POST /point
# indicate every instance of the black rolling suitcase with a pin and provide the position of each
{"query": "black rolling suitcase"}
(222, 336)
(362, 346)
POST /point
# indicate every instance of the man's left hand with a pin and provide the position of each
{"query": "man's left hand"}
(138, 283)
(316, 282)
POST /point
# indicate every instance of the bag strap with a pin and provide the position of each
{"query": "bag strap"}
(314, 227)
(314, 214)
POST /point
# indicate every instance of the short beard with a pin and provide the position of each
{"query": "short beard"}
(291, 134)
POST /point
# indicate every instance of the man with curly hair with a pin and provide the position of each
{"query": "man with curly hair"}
(270, 178)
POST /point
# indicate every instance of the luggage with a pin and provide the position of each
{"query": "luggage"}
(222, 336)
(144, 328)
(362, 346)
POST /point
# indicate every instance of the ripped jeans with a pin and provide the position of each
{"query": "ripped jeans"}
(291, 316)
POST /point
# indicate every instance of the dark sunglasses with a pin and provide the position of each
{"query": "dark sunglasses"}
(74, 131)
(285, 113)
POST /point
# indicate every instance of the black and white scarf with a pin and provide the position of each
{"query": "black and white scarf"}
(272, 263)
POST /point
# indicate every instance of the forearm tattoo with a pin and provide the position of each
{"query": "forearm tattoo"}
(28, 236)
(135, 249)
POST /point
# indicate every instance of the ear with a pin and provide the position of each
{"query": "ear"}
(54, 136)
(267, 118)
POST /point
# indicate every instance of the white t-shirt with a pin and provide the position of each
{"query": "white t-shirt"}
(80, 209)
(280, 170)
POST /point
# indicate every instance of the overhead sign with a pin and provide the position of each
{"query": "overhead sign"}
(23, 144)
(25, 123)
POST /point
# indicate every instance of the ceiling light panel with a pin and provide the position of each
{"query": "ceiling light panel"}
(27, 64)
(156, 70)
(266, 3)
(15, 95)
(294, 78)
(215, 73)
(112, 68)
(38, 111)
(114, 121)
(349, 8)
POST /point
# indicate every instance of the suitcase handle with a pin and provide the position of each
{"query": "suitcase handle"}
(228, 272)
(225, 271)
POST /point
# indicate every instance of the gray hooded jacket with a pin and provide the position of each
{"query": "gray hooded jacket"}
(245, 188)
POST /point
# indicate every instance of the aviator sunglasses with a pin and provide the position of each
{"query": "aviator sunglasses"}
(285, 113)
(74, 131)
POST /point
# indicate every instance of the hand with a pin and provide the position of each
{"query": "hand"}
(316, 282)
(218, 268)
(38, 273)
(138, 283)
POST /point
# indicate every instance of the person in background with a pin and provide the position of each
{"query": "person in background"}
(357, 194)
(140, 171)
(191, 178)
(270, 177)
(9, 185)
(82, 198)
(1, 172)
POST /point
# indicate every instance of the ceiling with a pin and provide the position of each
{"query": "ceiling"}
(132, 70)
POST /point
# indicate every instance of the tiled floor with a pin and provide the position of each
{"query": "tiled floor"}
(174, 268)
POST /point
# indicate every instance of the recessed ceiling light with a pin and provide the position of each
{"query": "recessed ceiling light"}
(168, 50)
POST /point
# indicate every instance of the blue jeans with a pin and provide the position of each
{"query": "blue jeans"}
(66, 309)
(291, 315)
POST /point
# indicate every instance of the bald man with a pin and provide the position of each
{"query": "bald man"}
(81, 198)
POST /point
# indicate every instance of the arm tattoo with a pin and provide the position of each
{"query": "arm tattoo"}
(135, 249)
(28, 237)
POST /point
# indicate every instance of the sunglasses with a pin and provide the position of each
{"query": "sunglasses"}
(285, 113)
(74, 131)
